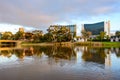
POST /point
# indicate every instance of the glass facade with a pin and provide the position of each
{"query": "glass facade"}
(95, 28)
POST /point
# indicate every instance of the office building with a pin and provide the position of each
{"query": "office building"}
(96, 28)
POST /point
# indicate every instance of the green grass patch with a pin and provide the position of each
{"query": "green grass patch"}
(112, 44)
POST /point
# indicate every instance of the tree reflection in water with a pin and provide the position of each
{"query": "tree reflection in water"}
(55, 52)
(94, 55)
(89, 54)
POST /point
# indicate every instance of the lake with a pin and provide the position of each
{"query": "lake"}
(59, 63)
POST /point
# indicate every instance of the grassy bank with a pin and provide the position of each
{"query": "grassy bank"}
(36, 44)
(94, 44)
(98, 44)
(112, 44)
(46, 44)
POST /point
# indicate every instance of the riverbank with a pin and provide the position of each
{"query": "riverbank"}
(47, 44)
(94, 44)
(98, 44)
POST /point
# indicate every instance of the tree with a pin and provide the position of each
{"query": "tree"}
(117, 33)
(59, 34)
(53, 31)
(28, 36)
(63, 34)
(19, 35)
(37, 36)
(7, 36)
(48, 37)
(86, 34)
(102, 35)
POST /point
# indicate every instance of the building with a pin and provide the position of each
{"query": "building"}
(96, 28)
(21, 29)
(72, 28)
(115, 39)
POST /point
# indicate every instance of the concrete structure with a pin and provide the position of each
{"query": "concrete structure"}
(11, 41)
(115, 39)
(72, 28)
(96, 28)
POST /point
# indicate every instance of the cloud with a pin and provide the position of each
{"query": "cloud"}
(42, 13)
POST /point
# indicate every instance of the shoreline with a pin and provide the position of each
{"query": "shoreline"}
(94, 44)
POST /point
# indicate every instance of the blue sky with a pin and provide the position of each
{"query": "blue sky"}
(42, 13)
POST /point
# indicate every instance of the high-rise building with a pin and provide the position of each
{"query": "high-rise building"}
(96, 28)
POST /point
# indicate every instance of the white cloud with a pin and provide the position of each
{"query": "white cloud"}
(42, 13)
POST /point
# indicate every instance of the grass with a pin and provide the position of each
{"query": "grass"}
(112, 44)
(95, 44)
(99, 44)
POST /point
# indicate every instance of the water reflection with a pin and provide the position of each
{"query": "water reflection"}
(75, 63)
(98, 55)
(89, 54)
(115, 51)
(59, 52)
(94, 54)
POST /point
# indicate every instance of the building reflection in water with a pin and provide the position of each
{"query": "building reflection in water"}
(98, 55)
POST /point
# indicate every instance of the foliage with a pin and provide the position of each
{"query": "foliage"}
(86, 34)
(7, 36)
(28, 36)
(19, 35)
(63, 35)
(59, 34)
(117, 33)
(48, 37)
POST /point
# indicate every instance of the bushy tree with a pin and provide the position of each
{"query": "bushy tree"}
(28, 36)
(117, 33)
(20, 35)
(48, 37)
(86, 34)
(7, 36)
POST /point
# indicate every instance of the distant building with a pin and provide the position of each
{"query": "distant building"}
(72, 28)
(96, 28)
(115, 39)
(21, 29)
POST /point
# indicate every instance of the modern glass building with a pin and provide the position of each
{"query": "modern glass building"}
(96, 28)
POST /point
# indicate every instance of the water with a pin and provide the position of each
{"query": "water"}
(59, 63)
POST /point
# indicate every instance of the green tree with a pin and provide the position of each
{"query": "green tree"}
(48, 37)
(102, 35)
(7, 36)
(63, 34)
(28, 36)
(117, 33)
(59, 34)
(38, 36)
(19, 35)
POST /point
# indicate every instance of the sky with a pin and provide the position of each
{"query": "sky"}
(40, 14)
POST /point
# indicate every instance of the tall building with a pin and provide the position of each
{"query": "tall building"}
(96, 28)
(72, 28)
